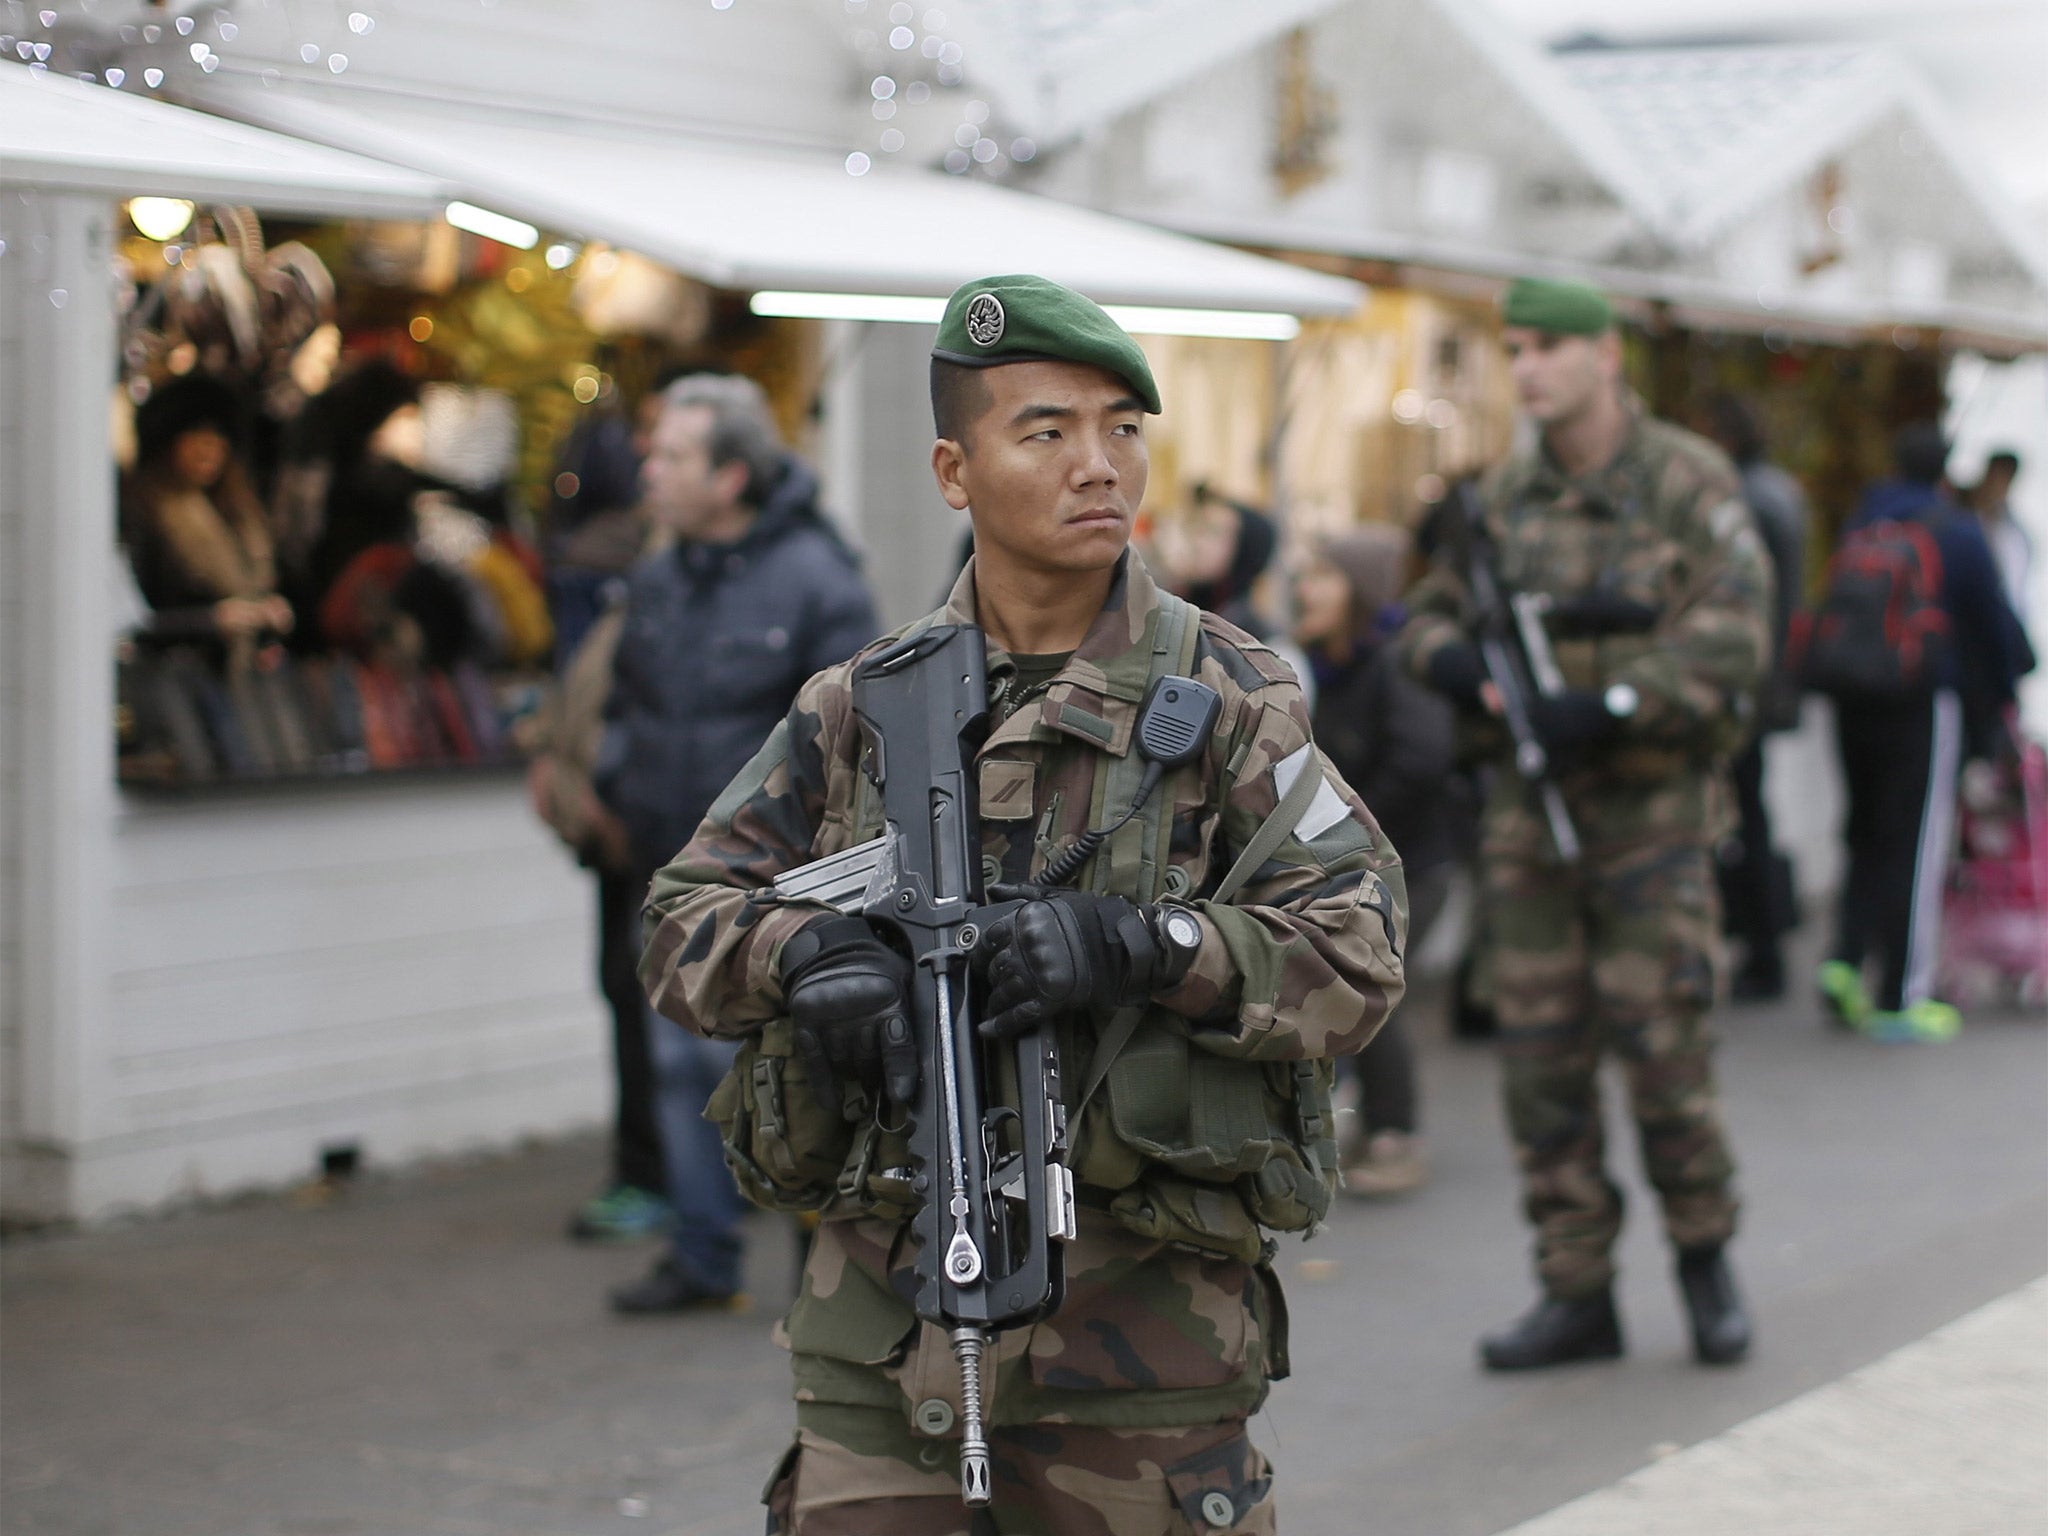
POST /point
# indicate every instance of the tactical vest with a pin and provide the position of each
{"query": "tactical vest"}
(1176, 1143)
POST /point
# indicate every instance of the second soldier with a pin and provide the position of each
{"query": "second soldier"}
(1631, 537)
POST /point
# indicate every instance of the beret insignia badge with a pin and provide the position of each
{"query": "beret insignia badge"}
(984, 319)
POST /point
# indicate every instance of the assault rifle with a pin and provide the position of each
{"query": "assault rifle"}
(1519, 663)
(988, 1138)
(986, 1122)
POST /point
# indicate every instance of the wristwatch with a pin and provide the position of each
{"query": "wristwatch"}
(1180, 934)
(1621, 701)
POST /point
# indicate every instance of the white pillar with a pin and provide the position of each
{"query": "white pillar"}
(910, 535)
(839, 436)
(57, 795)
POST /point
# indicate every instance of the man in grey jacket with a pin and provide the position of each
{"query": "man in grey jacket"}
(751, 594)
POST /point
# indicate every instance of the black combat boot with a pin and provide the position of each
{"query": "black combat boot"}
(1555, 1331)
(1720, 1327)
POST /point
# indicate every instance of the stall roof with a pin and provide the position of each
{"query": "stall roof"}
(62, 133)
(749, 218)
(1724, 129)
(1060, 67)
(1693, 300)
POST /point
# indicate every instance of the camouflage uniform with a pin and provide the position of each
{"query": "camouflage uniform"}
(1122, 1413)
(1619, 953)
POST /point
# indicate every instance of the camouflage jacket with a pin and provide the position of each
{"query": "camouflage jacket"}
(1663, 524)
(1305, 962)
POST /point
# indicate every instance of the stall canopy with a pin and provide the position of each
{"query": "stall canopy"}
(61, 133)
(754, 219)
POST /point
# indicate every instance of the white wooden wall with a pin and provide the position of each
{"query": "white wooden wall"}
(405, 967)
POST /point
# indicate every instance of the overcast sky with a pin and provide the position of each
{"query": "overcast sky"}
(1988, 59)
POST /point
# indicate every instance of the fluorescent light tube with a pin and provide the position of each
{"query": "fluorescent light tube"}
(899, 308)
(1242, 324)
(493, 226)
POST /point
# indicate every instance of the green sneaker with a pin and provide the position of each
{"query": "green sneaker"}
(621, 1215)
(1841, 988)
(1927, 1022)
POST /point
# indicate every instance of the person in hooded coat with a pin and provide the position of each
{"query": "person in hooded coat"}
(1393, 741)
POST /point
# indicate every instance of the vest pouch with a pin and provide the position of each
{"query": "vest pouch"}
(1225, 1146)
(1293, 1192)
(1208, 1217)
(784, 1148)
(1207, 1117)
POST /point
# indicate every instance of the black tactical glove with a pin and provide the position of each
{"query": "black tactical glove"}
(1067, 951)
(1575, 718)
(1601, 611)
(849, 994)
(1456, 671)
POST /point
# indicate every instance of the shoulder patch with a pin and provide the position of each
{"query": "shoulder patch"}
(1729, 520)
(1326, 809)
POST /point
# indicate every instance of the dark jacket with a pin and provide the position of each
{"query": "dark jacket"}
(1985, 663)
(1393, 741)
(1780, 509)
(718, 638)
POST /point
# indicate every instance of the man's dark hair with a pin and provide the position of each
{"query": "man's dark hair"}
(1735, 426)
(2004, 459)
(959, 395)
(1920, 453)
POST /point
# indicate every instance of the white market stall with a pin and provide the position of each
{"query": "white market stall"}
(208, 992)
(199, 995)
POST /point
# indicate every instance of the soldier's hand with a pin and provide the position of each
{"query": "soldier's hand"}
(1456, 671)
(1576, 717)
(1064, 951)
(849, 995)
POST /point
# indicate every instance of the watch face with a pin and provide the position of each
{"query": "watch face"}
(1184, 930)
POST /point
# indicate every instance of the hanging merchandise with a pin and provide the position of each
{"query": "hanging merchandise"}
(227, 307)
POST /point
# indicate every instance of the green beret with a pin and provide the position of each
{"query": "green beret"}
(1569, 309)
(1024, 319)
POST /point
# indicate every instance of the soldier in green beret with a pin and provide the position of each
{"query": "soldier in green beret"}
(1246, 927)
(1656, 594)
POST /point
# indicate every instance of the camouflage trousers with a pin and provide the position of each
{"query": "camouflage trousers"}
(1616, 956)
(857, 1471)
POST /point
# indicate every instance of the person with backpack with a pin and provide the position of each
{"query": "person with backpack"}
(1912, 640)
(1243, 927)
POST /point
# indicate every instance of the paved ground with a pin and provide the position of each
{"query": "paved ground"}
(424, 1357)
(1947, 1435)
